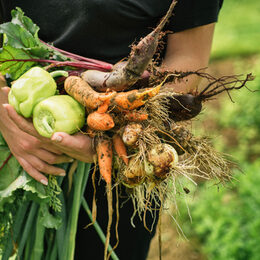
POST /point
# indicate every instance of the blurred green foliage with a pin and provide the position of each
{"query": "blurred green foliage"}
(226, 219)
(240, 118)
(237, 31)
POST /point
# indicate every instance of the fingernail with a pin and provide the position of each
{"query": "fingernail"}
(62, 174)
(58, 138)
(44, 182)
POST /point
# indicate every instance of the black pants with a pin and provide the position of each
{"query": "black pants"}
(133, 241)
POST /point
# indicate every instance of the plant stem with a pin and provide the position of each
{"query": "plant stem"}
(27, 229)
(77, 198)
(59, 73)
(55, 63)
(98, 229)
(76, 57)
(38, 247)
(6, 161)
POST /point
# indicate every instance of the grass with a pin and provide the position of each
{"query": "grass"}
(237, 31)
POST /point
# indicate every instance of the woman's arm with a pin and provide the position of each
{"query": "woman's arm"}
(188, 50)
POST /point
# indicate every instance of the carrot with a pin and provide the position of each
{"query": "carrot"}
(120, 148)
(135, 116)
(100, 121)
(105, 154)
(84, 94)
(135, 98)
(141, 55)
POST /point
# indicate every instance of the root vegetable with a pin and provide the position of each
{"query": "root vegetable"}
(141, 55)
(105, 154)
(97, 79)
(162, 157)
(131, 133)
(84, 94)
(120, 148)
(135, 98)
(134, 173)
(100, 121)
(135, 116)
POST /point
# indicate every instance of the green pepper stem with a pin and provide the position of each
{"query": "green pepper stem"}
(58, 73)
(46, 125)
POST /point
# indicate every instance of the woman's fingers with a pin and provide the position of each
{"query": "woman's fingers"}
(24, 124)
(52, 158)
(35, 174)
(78, 146)
(36, 167)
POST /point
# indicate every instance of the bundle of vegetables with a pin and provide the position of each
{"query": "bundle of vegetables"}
(140, 134)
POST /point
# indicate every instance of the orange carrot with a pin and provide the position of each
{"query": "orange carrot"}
(84, 94)
(100, 121)
(105, 154)
(135, 98)
(120, 148)
(135, 116)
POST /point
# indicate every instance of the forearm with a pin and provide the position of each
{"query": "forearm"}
(188, 51)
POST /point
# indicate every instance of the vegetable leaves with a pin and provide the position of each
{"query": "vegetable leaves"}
(22, 46)
(9, 59)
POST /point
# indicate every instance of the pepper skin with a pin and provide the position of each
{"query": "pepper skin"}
(33, 86)
(60, 113)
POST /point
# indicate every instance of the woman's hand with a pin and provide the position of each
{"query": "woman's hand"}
(35, 153)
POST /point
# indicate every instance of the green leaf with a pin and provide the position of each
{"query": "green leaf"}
(19, 18)
(10, 171)
(47, 219)
(9, 63)
(7, 195)
(18, 36)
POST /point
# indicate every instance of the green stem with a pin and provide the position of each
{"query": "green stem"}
(38, 247)
(54, 252)
(29, 246)
(61, 232)
(58, 73)
(45, 124)
(77, 198)
(98, 229)
(27, 229)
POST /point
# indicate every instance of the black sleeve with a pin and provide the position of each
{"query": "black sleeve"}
(192, 13)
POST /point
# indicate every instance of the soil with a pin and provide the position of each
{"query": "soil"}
(174, 246)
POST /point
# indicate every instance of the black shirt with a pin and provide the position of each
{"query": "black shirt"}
(105, 29)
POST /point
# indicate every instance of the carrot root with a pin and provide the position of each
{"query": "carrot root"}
(84, 94)
(120, 148)
(100, 121)
(105, 154)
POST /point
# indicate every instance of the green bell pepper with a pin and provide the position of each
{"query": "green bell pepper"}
(33, 86)
(60, 113)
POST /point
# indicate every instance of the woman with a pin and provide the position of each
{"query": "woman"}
(104, 30)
